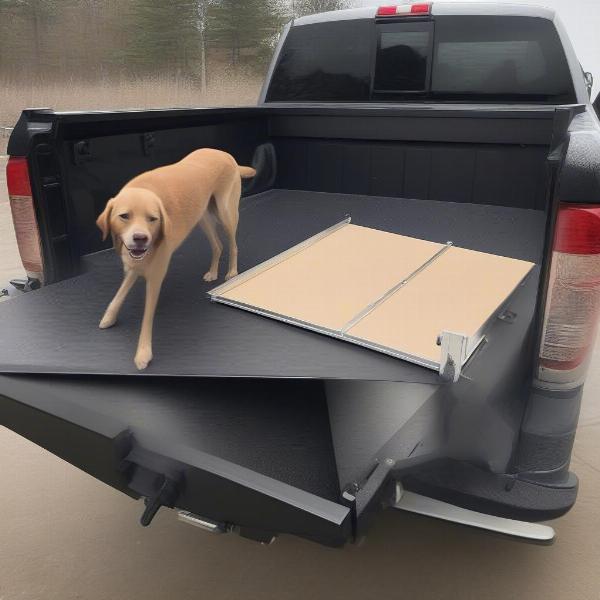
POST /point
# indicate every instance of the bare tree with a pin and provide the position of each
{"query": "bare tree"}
(309, 7)
(201, 10)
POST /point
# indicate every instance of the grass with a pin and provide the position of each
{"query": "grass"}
(121, 93)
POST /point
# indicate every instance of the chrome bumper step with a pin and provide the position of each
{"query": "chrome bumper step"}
(422, 505)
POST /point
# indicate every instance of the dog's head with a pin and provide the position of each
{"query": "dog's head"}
(136, 219)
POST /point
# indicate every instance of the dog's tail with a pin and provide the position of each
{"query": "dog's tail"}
(246, 172)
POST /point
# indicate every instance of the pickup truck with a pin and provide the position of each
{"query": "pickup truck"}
(445, 121)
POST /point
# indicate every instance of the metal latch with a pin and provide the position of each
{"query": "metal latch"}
(164, 496)
(454, 354)
(82, 152)
(156, 478)
(148, 142)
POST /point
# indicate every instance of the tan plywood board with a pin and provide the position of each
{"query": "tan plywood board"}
(389, 292)
(329, 282)
(457, 292)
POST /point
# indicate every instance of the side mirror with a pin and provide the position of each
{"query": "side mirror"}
(589, 82)
(596, 105)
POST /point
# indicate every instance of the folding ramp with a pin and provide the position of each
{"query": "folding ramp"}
(424, 302)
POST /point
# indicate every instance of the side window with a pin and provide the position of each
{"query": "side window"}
(403, 57)
(327, 61)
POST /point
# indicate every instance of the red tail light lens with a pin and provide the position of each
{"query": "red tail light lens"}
(23, 214)
(573, 301)
(404, 10)
(417, 9)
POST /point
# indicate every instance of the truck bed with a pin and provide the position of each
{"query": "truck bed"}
(54, 329)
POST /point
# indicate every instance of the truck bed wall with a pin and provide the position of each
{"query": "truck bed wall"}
(499, 161)
(482, 159)
(504, 175)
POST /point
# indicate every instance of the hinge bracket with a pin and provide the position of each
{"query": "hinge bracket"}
(454, 354)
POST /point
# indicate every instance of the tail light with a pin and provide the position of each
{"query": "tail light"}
(573, 300)
(404, 10)
(23, 214)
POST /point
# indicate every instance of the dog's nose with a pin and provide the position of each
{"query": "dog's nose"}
(140, 238)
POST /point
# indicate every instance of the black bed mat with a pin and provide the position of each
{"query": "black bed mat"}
(55, 329)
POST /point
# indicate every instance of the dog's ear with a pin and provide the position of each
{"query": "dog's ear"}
(165, 222)
(103, 221)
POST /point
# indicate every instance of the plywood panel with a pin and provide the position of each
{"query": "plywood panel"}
(331, 281)
(457, 292)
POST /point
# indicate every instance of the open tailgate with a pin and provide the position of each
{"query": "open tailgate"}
(256, 456)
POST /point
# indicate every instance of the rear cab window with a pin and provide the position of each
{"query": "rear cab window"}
(444, 58)
(406, 44)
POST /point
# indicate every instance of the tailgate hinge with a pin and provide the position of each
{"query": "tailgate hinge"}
(373, 495)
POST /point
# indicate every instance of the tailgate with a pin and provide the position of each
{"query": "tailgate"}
(256, 456)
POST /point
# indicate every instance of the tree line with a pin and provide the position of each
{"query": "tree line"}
(91, 39)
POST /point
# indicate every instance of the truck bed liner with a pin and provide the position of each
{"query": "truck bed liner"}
(54, 330)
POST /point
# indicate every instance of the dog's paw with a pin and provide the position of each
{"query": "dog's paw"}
(230, 274)
(107, 321)
(209, 276)
(142, 359)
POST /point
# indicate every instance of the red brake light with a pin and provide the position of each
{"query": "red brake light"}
(23, 214)
(573, 301)
(420, 9)
(17, 177)
(386, 11)
(578, 229)
(404, 10)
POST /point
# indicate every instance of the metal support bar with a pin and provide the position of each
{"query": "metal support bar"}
(422, 505)
(209, 525)
(373, 305)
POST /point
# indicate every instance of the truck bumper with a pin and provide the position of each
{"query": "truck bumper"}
(503, 495)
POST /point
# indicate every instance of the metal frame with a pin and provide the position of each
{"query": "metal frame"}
(275, 260)
(456, 348)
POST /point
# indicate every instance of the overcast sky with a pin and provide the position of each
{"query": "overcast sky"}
(581, 18)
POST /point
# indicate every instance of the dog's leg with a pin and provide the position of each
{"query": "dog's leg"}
(154, 280)
(229, 216)
(112, 311)
(210, 229)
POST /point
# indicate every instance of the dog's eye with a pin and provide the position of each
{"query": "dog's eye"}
(124, 216)
(152, 219)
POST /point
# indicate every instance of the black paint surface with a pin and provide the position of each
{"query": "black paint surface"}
(55, 329)
(277, 428)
